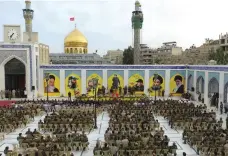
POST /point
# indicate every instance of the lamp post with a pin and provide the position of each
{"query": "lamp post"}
(156, 87)
(47, 79)
(95, 83)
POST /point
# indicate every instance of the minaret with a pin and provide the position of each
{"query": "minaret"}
(137, 21)
(28, 16)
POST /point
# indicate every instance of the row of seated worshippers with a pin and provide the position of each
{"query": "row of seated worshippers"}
(54, 144)
(70, 118)
(133, 131)
(75, 102)
(201, 129)
(17, 116)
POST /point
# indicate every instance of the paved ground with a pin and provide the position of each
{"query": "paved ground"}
(174, 135)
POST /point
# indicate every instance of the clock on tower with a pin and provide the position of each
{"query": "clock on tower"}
(12, 33)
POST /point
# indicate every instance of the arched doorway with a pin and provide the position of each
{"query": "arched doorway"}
(225, 92)
(190, 82)
(213, 87)
(14, 75)
(200, 85)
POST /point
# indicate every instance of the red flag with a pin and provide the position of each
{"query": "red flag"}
(72, 19)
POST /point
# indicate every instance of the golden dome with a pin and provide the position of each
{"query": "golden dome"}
(75, 39)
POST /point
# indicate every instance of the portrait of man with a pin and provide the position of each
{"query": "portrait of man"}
(115, 82)
(91, 84)
(72, 82)
(157, 81)
(139, 86)
(51, 85)
(179, 84)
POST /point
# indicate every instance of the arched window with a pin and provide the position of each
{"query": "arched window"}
(67, 50)
(213, 86)
(80, 50)
(84, 51)
(71, 50)
(75, 50)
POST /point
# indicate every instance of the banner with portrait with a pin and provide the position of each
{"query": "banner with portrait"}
(136, 81)
(115, 80)
(73, 82)
(156, 82)
(94, 81)
(51, 82)
(177, 82)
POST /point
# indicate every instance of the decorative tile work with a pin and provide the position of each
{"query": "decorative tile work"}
(212, 68)
(109, 67)
(205, 67)
(225, 78)
(200, 74)
(190, 72)
(213, 75)
(21, 55)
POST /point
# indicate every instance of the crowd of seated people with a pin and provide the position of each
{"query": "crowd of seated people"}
(201, 129)
(56, 144)
(70, 118)
(17, 116)
(133, 131)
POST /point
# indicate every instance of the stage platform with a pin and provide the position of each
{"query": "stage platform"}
(6, 102)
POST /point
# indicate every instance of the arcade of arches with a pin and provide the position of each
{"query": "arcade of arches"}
(14, 74)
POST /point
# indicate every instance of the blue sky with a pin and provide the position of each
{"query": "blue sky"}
(107, 23)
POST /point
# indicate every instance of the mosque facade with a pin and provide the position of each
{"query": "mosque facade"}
(21, 68)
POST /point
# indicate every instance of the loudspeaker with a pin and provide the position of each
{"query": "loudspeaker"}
(33, 87)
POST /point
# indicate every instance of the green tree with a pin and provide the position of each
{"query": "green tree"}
(155, 60)
(128, 55)
(220, 56)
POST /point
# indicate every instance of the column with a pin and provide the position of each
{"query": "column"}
(28, 74)
(41, 84)
(83, 81)
(194, 84)
(105, 79)
(167, 81)
(2, 77)
(221, 86)
(206, 99)
(186, 80)
(125, 77)
(146, 82)
(62, 82)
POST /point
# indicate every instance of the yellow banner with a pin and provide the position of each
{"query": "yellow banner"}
(177, 85)
(136, 81)
(115, 82)
(73, 84)
(90, 83)
(52, 85)
(159, 81)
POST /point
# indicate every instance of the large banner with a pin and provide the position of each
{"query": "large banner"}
(115, 80)
(93, 78)
(177, 81)
(136, 80)
(157, 78)
(73, 82)
(51, 83)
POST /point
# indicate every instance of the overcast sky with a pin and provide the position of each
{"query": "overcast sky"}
(107, 23)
